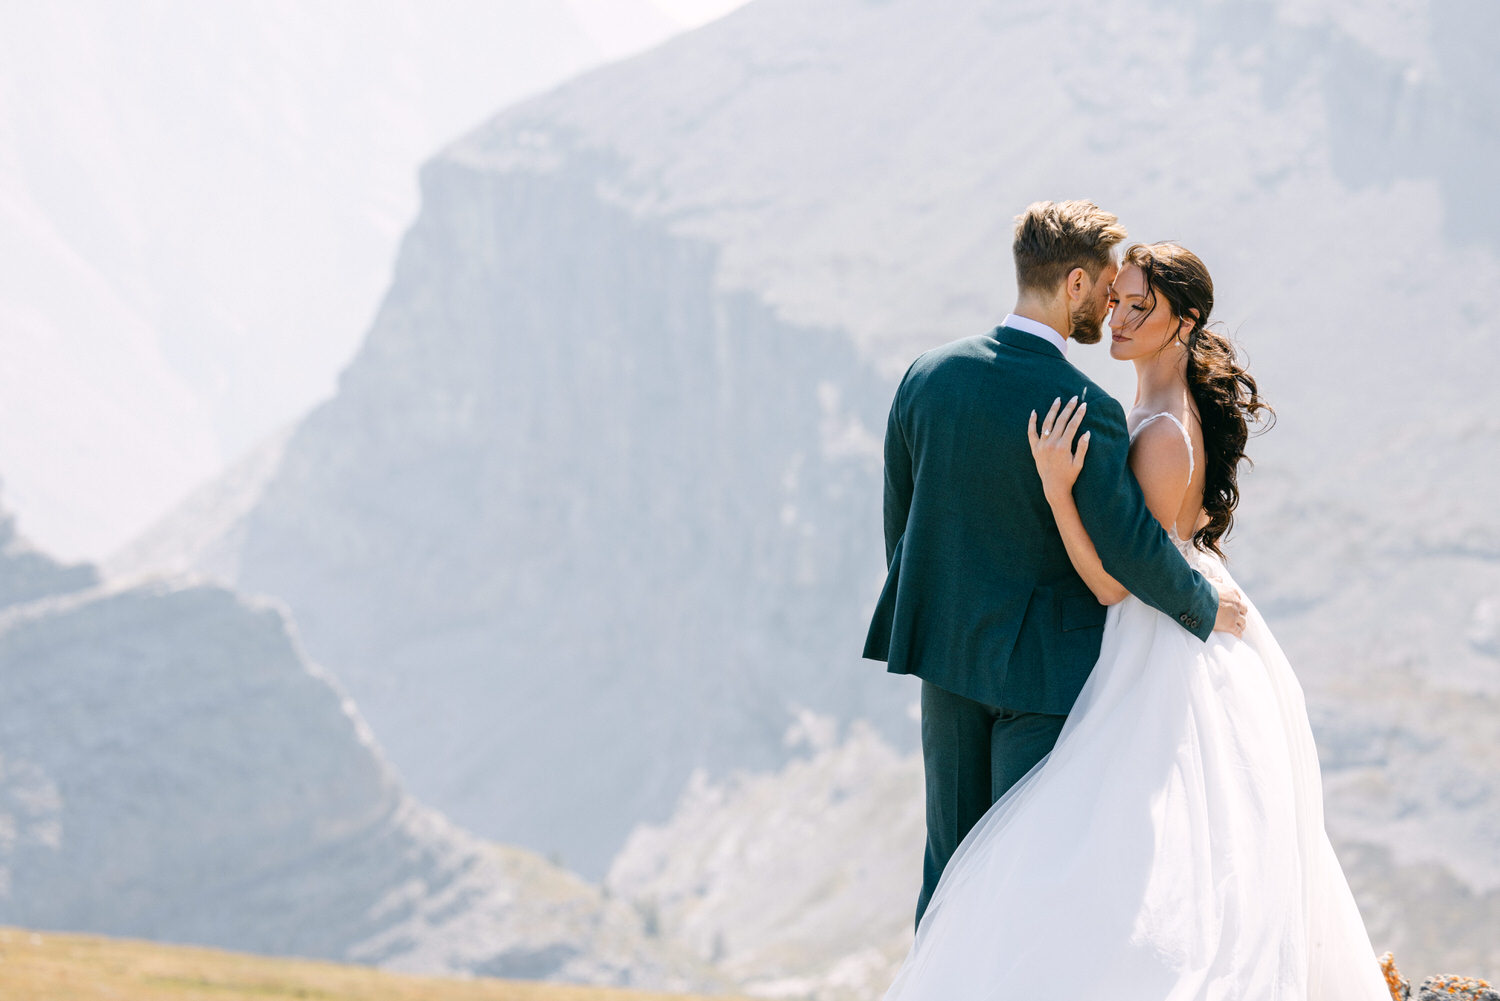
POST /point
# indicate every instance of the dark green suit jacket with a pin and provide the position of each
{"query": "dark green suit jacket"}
(980, 597)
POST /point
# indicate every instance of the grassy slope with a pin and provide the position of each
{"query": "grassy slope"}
(48, 966)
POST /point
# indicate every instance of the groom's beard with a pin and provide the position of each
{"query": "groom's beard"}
(1087, 328)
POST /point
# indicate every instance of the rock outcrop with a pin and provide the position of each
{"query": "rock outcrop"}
(173, 767)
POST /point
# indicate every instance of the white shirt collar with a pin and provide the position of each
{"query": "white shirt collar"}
(1031, 326)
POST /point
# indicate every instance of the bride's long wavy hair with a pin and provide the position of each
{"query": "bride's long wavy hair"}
(1226, 395)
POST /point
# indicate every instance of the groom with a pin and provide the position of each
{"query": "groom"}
(981, 601)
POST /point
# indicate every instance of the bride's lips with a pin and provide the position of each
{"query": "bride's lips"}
(1118, 339)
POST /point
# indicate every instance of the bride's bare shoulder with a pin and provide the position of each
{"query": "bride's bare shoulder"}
(1160, 448)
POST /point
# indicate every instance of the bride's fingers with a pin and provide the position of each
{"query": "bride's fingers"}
(1070, 430)
(1051, 417)
(1067, 414)
(1081, 451)
(1031, 434)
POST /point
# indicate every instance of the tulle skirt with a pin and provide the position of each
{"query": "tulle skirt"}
(1171, 846)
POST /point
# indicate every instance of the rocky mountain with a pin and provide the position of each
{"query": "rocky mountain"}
(799, 883)
(172, 767)
(596, 506)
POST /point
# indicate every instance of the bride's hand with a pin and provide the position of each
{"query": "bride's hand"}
(1232, 609)
(1057, 461)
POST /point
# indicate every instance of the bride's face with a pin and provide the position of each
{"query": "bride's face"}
(1140, 324)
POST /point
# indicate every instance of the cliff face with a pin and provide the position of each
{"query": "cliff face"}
(578, 522)
(597, 503)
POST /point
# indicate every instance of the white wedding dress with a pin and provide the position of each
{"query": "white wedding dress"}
(1170, 847)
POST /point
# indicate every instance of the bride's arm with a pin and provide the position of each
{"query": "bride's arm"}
(1159, 460)
(1059, 465)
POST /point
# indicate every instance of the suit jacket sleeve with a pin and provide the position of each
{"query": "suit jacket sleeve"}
(898, 476)
(1131, 543)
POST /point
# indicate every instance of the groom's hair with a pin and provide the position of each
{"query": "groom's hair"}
(1053, 238)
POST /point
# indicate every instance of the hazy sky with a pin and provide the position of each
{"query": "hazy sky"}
(694, 12)
(622, 24)
(620, 27)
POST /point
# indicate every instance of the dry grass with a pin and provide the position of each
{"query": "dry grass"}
(46, 966)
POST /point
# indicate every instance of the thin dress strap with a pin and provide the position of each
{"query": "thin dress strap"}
(1192, 467)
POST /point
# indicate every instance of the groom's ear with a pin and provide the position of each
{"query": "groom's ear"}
(1077, 283)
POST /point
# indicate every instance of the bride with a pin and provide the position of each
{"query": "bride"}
(1171, 846)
